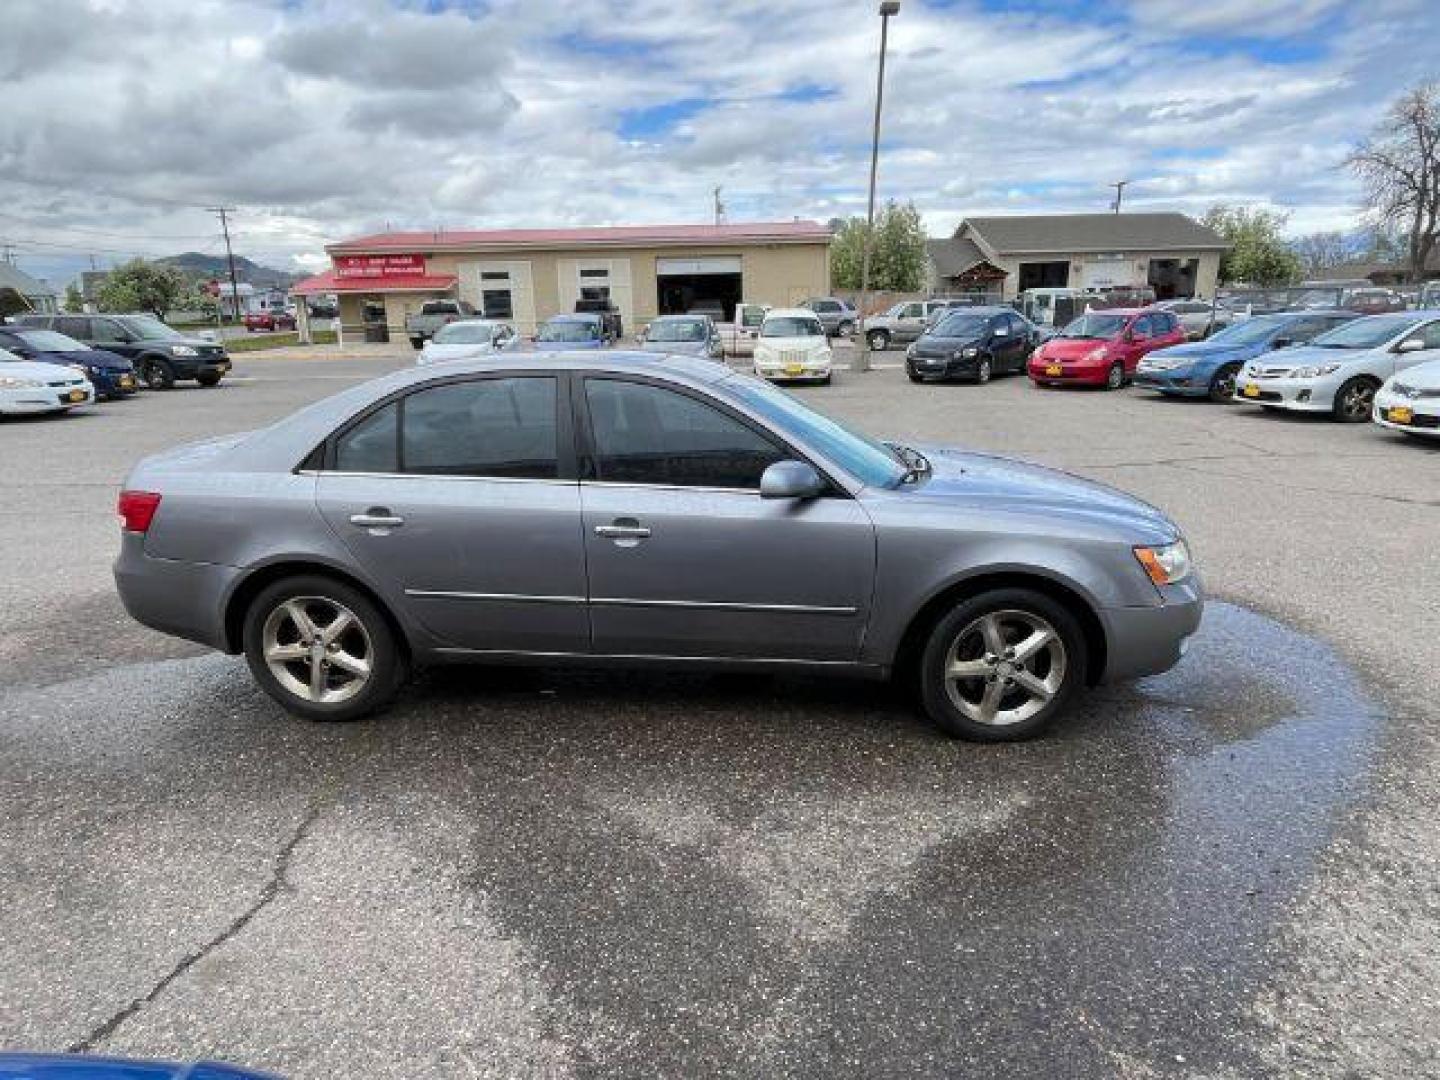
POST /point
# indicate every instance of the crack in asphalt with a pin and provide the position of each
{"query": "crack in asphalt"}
(276, 883)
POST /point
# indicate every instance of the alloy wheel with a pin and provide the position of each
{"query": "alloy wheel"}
(1356, 400)
(1004, 667)
(1115, 378)
(318, 649)
(982, 372)
(1225, 382)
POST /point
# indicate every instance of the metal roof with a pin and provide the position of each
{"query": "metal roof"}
(953, 256)
(12, 277)
(756, 232)
(1064, 233)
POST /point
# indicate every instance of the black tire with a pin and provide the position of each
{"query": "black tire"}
(417, 343)
(878, 340)
(983, 371)
(846, 328)
(913, 377)
(1355, 400)
(1115, 377)
(207, 379)
(157, 373)
(825, 381)
(1222, 383)
(955, 632)
(387, 662)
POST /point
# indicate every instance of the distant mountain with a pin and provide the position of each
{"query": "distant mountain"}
(200, 267)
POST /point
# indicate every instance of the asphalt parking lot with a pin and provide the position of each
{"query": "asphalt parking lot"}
(1230, 870)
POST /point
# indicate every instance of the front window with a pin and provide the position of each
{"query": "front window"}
(465, 333)
(752, 317)
(791, 326)
(650, 435)
(569, 331)
(50, 341)
(867, 459)
(676, 330)
(1095, 326)
(1367, 333)
(149, 329)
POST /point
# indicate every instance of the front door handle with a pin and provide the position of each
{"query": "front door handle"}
(637, 532)
(377, 517)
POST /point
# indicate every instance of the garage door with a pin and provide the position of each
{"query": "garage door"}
(714, 264)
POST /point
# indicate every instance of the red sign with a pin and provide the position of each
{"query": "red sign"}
(377, 266)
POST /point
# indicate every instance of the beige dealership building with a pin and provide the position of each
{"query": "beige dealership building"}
(524, 276)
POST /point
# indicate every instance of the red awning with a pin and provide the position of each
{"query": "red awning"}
(329, 283)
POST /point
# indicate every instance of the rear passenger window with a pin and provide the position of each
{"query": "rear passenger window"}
(370, 446)
(487, 427)
(79, 329)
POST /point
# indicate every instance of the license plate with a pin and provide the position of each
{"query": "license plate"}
(794, 369)
(1251, 390)
(1054, 369)
(222, 367)
(1402, 415)
(127, 382)
(76, 395)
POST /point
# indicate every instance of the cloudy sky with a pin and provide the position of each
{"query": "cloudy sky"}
(121, 121)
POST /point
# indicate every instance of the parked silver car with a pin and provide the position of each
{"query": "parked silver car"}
(682, 335)
(836, 315)
(630, 509)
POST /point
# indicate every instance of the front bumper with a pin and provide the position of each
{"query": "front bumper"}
(1148, 640)
(1423, 419)
(43, 399)
(184, 599)
(808, 371)
(1175, 381)
(943, 367)
(1081, 373)
(113, 384)
(1298, 395)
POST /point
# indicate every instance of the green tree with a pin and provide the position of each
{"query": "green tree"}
(74, 301)
(897, 257)
(142, 286)
(1258, 255)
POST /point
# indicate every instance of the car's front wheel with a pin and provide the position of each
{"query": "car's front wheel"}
(1115, 377)
(1002, 665)
(983, 371)
(1222, 385)
(846, 328)
(1355, 400)
(322, 649)
(157, 373)
(878, 340)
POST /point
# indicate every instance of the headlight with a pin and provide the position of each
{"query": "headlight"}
(965, 353)
(1165, 565)
(183, 350)
(15, 382)
(1096, 354)
(1315, 371)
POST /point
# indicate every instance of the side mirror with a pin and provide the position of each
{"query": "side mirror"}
(1410, 345)
(791, 480)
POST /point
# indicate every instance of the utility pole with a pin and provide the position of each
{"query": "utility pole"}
(1119, 187)
(861, 360)
(229, 256)
(719, 207)
(8, 252)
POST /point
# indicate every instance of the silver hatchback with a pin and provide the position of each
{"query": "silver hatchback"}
(637, 509)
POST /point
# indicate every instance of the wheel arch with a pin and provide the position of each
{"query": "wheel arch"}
(261, 577)
(912, 641)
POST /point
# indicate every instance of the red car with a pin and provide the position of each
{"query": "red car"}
(269, 320)
(1102, 348)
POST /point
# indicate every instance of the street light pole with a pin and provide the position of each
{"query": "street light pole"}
(861, 360)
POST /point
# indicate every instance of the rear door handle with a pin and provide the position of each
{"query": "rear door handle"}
(377, 518)
(637, 532)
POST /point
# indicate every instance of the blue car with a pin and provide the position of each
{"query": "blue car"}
(1208, 368)
(570, 333)
(112, 376)
(84, 1067)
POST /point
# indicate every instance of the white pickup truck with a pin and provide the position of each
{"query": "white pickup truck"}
(434, 314)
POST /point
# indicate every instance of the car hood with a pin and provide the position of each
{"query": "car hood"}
(36, 370)
(964, 478)
(457, 351)
(1200, 350)
(929, 345)
(193, 342)
(1424, 376)
(675, 348)
(1301, 355)
(91, 358)
(1058, 348)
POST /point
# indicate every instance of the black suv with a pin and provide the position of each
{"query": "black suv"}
(161, 355)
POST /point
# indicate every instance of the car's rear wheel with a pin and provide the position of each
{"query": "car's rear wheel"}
(1115, 377)
(1002, 665)
(1355, 400)
(846, 328)
(322, 649)
(1222, 384)
(157, 373)
(878, 340)
(208, 379)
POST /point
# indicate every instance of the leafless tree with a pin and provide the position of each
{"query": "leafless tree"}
(1400, 168)
(1322, 250)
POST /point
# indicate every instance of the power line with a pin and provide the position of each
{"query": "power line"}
(229, 255)
(1119, 187)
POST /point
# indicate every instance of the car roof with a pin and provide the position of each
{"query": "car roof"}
(576, 316)
(688, 315)
(790, 312)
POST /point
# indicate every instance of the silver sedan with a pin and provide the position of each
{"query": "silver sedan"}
(628, 509)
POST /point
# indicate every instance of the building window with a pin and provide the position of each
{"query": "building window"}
(595, 284)
(496, 299)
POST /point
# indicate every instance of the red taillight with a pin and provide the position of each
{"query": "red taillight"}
(137, 510)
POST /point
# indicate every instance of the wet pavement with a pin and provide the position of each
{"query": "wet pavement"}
(541, 873)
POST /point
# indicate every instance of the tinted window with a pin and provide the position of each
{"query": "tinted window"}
(649, 435)
(106, 330)
(72, 327)
(1305, 329)
(488, 427)
(369, 446)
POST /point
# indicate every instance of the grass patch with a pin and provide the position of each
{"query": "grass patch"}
(257, 342)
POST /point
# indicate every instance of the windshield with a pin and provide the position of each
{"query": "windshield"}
(1366, 333)
(8, 357)
(960, 325)
(465, 333)
(440, 307)
(753, 316)
(1094, 326)
(1250, 332)
(51, 341)
(150, 329)
(569, 331)
(676, 330)
(863, 457)
(791, 326)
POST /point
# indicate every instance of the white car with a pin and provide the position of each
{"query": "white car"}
(1410, 402)
(1340, 371)
(467, 339)
(40, 388)
(792, 345)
